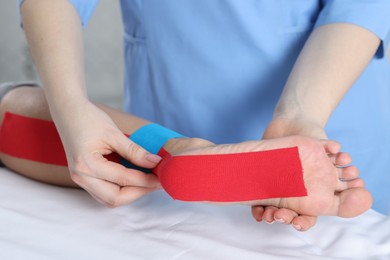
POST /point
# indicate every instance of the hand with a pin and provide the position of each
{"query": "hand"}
(88, 134)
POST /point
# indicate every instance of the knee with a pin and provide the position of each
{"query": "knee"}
(25, 101)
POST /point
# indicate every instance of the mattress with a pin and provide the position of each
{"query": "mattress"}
(39, 221)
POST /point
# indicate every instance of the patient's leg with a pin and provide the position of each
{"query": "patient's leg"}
(321, 177)
(31, 102)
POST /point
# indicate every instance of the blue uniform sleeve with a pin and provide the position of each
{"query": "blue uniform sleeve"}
(85, 8)
(373, 15)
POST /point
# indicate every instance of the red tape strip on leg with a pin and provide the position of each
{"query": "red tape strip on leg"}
(232, 177)
(34, 139)
(31, 139)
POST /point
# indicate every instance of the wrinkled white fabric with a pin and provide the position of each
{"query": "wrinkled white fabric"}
(39, 221)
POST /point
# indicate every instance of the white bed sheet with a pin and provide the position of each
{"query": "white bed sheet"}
(39, 221)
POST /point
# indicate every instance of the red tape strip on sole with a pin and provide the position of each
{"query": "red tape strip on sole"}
(232, 177)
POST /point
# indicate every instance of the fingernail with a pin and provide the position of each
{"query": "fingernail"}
(297, 227)
(258, 219)
(154, 158)
(270, 223)
(280, 220)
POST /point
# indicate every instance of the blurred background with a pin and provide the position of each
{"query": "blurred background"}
(103, 41)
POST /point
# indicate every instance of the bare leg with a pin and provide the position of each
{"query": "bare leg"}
(31, 102)
(327, 195)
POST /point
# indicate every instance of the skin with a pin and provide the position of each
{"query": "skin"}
(327, 194)
(332, 59)
(53, 31)
(54, 34)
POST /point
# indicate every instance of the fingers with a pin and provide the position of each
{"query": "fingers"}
(111, 183)
(112, 195)
(117, 173)
(134, 153)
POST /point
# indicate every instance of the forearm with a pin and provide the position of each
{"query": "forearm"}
(332, 59)
(54, 34)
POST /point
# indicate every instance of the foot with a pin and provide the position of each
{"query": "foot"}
(302, 222)
(327, 194)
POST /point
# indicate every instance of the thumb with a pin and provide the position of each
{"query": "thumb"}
(135, 153)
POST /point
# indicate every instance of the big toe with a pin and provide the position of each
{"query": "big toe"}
(353, 202)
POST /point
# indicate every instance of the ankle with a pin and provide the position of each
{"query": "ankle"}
(178, 145)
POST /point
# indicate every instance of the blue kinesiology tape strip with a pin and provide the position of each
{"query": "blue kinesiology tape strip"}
(152, 137)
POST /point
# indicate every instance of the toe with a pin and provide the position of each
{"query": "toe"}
(343, 185)
(352, 202)
(257, 213)
(341, 159)
(355, 183)
(348, 173)
(331, 147)
(268, 215)
(303, 222)
(284, 216)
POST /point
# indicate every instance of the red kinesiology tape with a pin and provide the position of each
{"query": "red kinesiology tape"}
(232, 177)
(32, 139)
(218, 177)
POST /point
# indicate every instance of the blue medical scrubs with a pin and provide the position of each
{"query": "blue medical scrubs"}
(215, 69)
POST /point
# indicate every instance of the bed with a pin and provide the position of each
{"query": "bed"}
(39, 221)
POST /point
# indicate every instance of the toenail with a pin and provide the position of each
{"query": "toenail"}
(297, 227)
(280, 220)
(269, 223)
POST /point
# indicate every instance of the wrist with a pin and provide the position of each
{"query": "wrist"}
(67, 106)
(297, 113)
(285, 126)
(66, 100)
